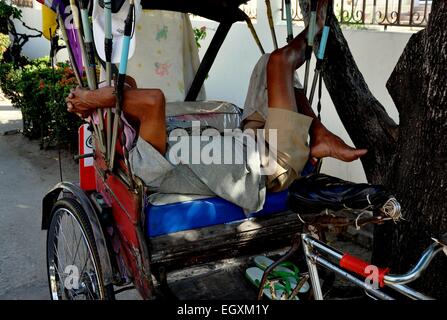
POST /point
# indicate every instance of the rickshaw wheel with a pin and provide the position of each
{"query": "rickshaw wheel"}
(74, 270)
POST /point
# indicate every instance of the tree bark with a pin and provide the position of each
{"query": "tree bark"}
(419, 175)
(364, 118)
(409, 159)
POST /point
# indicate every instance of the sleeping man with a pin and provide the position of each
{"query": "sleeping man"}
(273, 104)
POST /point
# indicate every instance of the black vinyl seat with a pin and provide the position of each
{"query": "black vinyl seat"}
(318, 192)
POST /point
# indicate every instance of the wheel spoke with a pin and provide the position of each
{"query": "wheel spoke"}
(70, 244)
(66, 242)
(77, 249)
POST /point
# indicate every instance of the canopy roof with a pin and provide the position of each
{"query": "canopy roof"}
(217, 10)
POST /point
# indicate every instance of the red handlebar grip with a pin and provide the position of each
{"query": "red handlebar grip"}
(359, 267)
(354, 264)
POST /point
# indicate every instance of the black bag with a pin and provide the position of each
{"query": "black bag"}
(318, 192)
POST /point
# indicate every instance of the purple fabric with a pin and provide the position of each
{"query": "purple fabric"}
(72, 33)
(75, 48)
(63, 8)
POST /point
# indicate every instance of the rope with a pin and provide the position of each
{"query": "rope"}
(392, 209)
(357, 227)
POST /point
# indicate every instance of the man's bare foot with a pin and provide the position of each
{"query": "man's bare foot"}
(324, 143)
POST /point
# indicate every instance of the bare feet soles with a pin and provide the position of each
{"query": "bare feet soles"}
(324, 143)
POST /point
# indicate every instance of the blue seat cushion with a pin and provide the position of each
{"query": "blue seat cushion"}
(180, 216)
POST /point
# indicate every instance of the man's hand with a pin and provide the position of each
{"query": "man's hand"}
(77, 102)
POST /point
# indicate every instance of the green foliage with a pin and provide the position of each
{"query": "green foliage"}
(7, 11)
(40, 92)
(199, 34)
(4, 44)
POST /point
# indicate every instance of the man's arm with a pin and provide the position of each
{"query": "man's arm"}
(84, 102)
(143, 108)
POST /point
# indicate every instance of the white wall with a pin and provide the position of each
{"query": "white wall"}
(35, 47)
(376, 53)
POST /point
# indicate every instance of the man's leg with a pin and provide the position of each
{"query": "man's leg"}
(282, 95)
(324, 143)
(284, 61)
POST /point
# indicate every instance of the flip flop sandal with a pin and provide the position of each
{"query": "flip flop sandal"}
(284, 269)
(274, 288)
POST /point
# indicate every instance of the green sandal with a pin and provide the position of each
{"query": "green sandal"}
(277, 286)
(288, 270)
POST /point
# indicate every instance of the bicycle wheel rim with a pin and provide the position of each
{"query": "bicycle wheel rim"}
(66, 282)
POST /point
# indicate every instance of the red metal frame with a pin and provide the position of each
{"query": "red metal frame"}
(360, 267)
(86, 169)
(127, 209)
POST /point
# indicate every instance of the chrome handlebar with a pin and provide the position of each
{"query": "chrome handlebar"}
(396, 282)
(416, 271)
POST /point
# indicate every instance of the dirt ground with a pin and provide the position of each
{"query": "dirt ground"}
(26, 174)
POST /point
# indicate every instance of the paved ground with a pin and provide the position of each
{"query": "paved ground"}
(26, 173)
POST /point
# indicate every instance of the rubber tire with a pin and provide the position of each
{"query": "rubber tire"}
(78, 212)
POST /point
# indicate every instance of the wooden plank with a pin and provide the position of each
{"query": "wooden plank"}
(180, 249)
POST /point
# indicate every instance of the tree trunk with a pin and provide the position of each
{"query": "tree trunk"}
(409, 159)
(419, 176)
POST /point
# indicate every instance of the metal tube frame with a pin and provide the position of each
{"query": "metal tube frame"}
(289, 21)
(119, 92)
(77, 25)
(313, 271)
(340, 271)
(80, 20)
(271, 24)
(310, 42)
(416, 271)
(317, 252)
(108, 44)
(254, 34)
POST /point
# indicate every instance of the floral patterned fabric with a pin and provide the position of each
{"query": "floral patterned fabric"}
(166, 54)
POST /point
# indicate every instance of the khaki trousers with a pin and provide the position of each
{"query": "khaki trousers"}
(292, 150)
